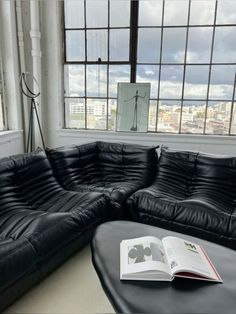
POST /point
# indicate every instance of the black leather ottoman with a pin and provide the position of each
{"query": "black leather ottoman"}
(180, 296)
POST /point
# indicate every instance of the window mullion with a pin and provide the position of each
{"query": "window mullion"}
(133, 39)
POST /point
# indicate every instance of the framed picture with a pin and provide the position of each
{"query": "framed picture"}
(133, 107)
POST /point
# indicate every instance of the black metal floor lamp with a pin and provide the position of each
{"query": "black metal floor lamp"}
(27, 91)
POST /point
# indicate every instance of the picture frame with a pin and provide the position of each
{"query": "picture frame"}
(132, 107)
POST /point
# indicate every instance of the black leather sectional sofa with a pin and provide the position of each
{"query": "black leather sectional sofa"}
(43, 222)
(118, 170)
(50, 204)
(193, 193)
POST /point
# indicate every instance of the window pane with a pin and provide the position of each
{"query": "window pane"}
(225, 45)
(174, 40)
(150, 13)
(149, 74)
(176, 12)
(96, 80)
(202, 12)
(119, 45)
(233, 124)
(199, 44)
(96, 114)
(117, 73)
(218, 117)
(222, 81)
(226, 12)
(196, 81)
(171, 81)
(152, 116)
(112, 108)
(149, 45)
(75, 113)
(193, 117)
(119, 13)
(74, 80)
(97, 45)
(74, 13)
(96, 13)
(169, 116)
(75, 46)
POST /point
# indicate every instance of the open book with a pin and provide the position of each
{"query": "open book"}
(149, 258)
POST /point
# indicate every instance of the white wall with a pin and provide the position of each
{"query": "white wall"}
(52, 101)
(11, 143)
(210, 144)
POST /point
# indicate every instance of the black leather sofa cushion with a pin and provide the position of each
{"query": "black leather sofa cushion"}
(115, 169)
(38, 220)
(192, 193)
(17, 259)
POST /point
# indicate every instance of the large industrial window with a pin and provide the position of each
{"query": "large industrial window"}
(186, 49)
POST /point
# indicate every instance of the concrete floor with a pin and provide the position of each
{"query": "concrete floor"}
(72, 288)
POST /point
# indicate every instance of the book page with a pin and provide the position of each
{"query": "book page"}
(145, 254)
(187, 257)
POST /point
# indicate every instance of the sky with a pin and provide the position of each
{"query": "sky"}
(174, 41)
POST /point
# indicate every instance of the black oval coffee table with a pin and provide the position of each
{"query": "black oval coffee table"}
(179, 296)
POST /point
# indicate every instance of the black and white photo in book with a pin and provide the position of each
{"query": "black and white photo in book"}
(145, 252)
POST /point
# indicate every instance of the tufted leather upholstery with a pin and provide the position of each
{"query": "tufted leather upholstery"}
(115, 169)
(192, 193)
(39, 219)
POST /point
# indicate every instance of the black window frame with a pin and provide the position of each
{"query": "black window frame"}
(133, 63)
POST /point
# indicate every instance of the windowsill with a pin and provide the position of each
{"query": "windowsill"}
(92, 135)
(10, 136)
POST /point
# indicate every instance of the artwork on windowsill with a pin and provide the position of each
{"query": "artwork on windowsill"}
(133, 107)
